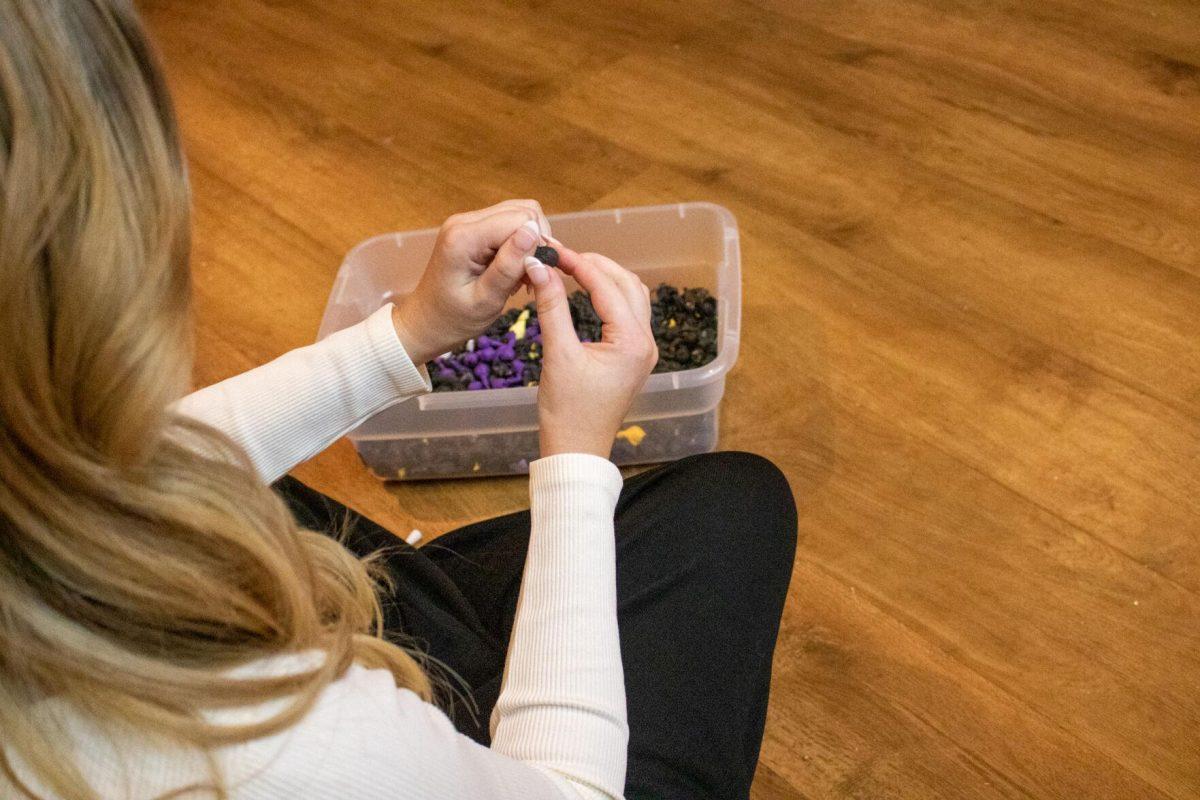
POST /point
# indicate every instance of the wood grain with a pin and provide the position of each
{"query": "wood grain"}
(972, 309)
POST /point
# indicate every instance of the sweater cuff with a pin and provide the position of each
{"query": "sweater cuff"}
(553, 473)
(408, 378)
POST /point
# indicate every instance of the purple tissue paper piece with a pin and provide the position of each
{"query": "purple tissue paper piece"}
(481, 371)
(484, 341)
(474, 385)
(506, 352)
(470, 359)
(510, 338)
(488, 354)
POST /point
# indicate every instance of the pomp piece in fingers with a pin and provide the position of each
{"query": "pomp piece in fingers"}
(547, 255)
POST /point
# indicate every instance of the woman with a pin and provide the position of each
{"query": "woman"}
(170, 626)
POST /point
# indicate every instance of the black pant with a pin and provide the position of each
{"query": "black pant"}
(704, 554)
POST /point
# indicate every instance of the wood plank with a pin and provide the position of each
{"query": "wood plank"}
(1045, 126)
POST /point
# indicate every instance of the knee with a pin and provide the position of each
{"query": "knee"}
(748, 513)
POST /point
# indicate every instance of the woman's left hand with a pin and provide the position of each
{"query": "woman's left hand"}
(478, 261)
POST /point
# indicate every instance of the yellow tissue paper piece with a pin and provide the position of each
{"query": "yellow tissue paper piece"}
(400, 473)
(671, 323)
(633, 434)
(475, 467)
(518, 327)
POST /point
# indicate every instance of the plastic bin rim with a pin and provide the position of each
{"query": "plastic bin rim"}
(727, 219)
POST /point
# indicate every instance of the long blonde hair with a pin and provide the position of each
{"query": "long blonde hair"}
(140, 557)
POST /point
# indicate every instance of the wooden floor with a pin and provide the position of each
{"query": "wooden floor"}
(972, 317)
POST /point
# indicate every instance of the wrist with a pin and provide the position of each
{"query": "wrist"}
(414, 335)
(556, 440)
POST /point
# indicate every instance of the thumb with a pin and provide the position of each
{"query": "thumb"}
(554, 312)
(504, 274)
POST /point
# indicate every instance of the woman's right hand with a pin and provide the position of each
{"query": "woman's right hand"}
(586, 388)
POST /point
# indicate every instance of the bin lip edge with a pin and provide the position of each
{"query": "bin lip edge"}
(727, 217)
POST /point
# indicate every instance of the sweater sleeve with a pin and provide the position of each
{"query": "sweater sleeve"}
(287, 411)
(562, 703)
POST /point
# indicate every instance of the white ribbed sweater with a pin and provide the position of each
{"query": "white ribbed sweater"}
(559, 728)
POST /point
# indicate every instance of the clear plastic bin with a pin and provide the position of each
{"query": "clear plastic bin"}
(494, 431)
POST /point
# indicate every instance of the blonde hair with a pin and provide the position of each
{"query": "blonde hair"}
(140, 557)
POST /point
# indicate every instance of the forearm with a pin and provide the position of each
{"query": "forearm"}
(287, 411)
(562, 706)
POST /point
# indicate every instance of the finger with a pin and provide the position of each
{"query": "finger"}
(540, 215)
(533, 206)
(481, 239)
(521, 284)
(554, 313)
(504, 274)
(634, 290)
(568, 259)
(479, 213)
(609, 300)
(630, 284)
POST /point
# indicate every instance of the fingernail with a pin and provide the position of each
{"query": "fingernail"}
(526, 236)
(536, 271)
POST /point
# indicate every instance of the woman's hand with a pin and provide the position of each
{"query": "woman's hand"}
(587, 388)
(477, 263)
